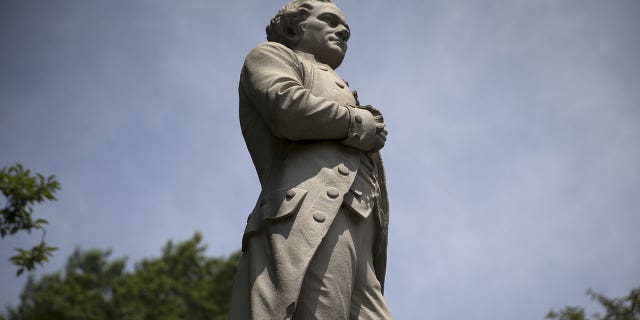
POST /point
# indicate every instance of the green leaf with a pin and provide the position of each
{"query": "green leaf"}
(23, 191)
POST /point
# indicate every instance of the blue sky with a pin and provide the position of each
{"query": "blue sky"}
(513, 156)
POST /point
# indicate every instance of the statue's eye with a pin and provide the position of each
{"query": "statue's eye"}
(331, 20)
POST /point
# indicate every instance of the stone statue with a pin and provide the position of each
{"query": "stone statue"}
(315, 244)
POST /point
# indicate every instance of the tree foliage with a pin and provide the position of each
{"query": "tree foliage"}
(624, 308)
(180, 284)
(22, 190)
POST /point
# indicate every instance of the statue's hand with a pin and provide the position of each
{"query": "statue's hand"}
(376, 113)
(367, 131)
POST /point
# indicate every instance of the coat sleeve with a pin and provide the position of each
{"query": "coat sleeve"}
(273, 77)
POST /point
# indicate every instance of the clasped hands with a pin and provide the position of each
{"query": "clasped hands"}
(367, 131)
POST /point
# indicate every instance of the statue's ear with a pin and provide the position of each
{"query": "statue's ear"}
(294, 33)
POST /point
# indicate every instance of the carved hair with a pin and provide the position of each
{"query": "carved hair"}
(284, 26)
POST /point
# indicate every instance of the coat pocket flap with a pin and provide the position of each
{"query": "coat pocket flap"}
(276, 205)
(282, 203)
(358, 205)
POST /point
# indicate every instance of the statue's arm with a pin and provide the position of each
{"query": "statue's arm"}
(272, 77)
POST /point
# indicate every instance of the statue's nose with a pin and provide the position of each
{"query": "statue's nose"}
(343, 33)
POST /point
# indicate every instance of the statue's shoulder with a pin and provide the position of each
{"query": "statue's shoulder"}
(271, 45)
(270, 49)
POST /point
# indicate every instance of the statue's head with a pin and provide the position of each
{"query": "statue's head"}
(317, 27)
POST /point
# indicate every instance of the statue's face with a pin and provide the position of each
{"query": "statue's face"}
(325, 34)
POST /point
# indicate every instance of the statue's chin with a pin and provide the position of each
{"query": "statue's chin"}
(335, 64)
(333, 60)
(331, 55)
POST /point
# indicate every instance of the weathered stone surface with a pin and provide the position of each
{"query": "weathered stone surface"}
(315, 243)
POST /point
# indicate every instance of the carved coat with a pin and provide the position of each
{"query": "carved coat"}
(294, 112)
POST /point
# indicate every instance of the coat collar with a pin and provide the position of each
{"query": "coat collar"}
(309, 58)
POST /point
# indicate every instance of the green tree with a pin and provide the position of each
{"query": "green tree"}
(22, 191)
(180, 284)
(624, 308)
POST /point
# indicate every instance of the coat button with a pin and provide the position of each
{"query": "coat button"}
(340, 84)
(319, 216)
(343, 170)
(333, 193)
(358, 118)
(291, 193)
